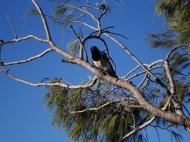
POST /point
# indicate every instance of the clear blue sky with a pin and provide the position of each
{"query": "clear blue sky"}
(23, 114)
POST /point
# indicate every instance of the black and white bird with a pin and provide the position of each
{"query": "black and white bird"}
(100, 60)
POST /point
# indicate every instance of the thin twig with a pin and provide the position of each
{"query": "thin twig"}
(85, 24)
(95, 108)
(83, 10)
(117, 34)
(82, 46)
(142, 72)
(24, 38)
(171, 51)
(12, 26)
(149, 66)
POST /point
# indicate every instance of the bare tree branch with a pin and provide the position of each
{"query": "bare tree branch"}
(172, 88)
(85, 24)
(29, 59)
(142, 72)
(85, 11)
(48, 35)
(24, 38)
(82, 46)
(68, 86)
(147, 123)
(95, 108)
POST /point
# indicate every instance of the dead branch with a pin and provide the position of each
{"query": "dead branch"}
(67, 86)
(95, 108)
(147, 123)
(29, 59)
(48, 35)
(24, 38)
(84, 11)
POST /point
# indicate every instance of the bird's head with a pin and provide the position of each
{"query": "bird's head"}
(94, 49)
(95, 53)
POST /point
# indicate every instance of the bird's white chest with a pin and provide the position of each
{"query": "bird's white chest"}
(97, 63)
(101, 64)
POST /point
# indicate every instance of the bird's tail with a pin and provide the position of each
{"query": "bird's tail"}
(113, 74)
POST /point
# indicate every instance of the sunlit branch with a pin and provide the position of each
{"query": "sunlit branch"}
(149, 66)
(29, 59)
(95, 108)
(68, 86)
(85, 11)
(85, 24)
(24, 38)
(178, 108)
(147, 123)
(48, 35)
(142, 72)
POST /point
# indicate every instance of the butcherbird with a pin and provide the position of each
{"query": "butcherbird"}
(100, 60)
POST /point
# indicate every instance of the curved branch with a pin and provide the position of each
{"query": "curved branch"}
(95, 108)
(24, 38)
(29, 59)
(149, 66)
(48, 35)
(68, 86)
(142, 72)
(145, 124)
(178, 108)
(85, 11)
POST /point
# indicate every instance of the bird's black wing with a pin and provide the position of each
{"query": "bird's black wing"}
(107, 64)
